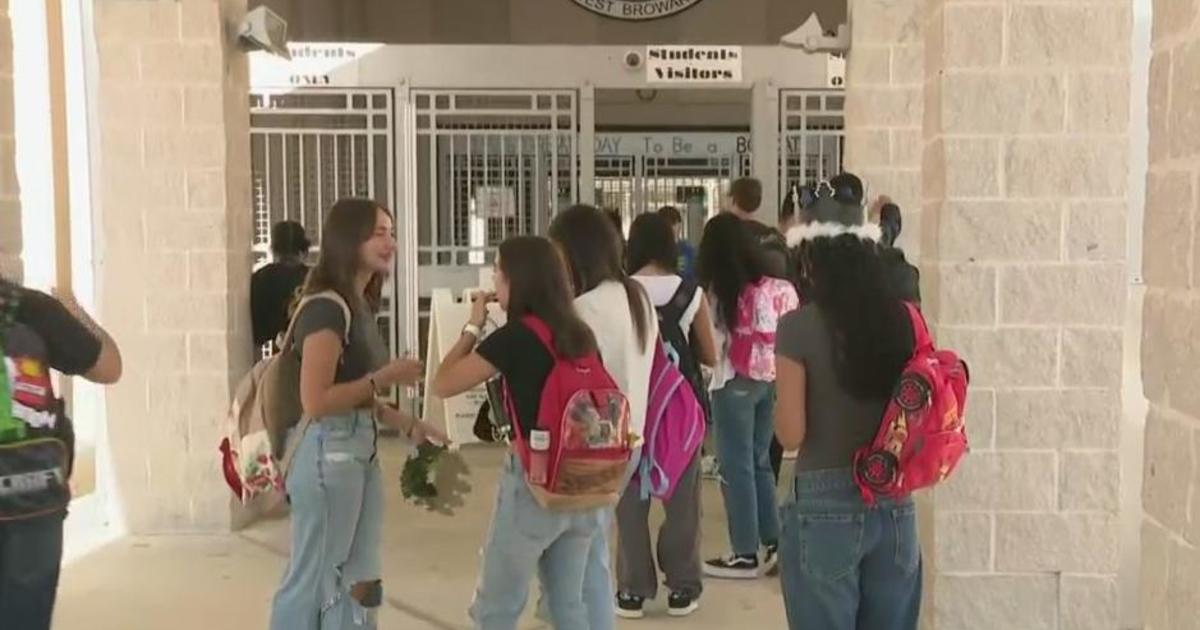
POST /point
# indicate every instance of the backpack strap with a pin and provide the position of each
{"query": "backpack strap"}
(286, 340)
(293, 445)
(542, 332)
(921, 337)
(672, 312)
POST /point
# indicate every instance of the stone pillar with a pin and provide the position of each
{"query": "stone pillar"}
(1170, 350)
(176, 223)
(10, 196)
(1025, 174)
(884, 105)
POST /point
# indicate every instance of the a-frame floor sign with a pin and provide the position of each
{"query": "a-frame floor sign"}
(446, 319)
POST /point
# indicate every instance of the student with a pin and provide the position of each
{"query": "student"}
(747, 304)
(839, 358)
(40, 333)
(622, 319)
(687, 252)
(745, 198)
(682, 306)
(530, 280)
(334, 485)
(273, 288)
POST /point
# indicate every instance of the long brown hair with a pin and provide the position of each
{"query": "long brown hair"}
(538, 286)
(350, 223)
(594, 251)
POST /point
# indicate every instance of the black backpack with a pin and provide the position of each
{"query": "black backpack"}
(36, 437)
(679, 350)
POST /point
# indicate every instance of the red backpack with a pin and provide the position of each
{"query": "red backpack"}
(586, 419)
(922, 436)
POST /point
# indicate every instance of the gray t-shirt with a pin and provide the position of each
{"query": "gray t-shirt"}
(367, 350)
(838, 423)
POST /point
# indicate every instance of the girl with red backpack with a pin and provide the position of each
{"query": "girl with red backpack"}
(747, 305)
(526, 536)
(839, 360)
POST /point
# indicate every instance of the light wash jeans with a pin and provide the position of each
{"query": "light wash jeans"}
(744, 416)
(524, 539)
(337, 517)
(846, 566)
(598, 594)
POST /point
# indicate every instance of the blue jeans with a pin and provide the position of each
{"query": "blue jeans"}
(846, 566)
(524, 539)
(744, 417)
(337, 517)
(30, 555)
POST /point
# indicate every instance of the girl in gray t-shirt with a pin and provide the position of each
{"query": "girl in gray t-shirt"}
(838, 360)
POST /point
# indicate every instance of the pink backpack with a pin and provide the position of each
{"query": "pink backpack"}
(587, 418)
(752, 341)
(675, 429)
(923, 435)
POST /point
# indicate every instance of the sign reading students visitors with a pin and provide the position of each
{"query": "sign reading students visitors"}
(694, 64)
(636, 10)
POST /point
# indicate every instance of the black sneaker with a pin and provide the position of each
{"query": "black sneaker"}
(682, 604)
(733, 567)
(770, 561)
(629, 606)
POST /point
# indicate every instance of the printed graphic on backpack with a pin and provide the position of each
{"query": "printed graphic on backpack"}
(586, 418)
(923, 433)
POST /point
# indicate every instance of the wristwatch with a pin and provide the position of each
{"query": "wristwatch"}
(473, 330)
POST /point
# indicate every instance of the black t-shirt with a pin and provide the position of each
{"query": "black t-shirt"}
(70, 347)
(272, 289)
(525, 364)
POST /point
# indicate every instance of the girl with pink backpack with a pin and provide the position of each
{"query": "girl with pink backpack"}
(675, 428)
(747, 305)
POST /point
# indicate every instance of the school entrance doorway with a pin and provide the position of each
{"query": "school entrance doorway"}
(471, 145)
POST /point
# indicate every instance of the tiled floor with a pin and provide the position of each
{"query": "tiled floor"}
(430, 563)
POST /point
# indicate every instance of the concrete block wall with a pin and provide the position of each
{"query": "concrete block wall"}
(884, 105)
(1170, 578)
(1023, 118)
(10, 203)
(174, 177)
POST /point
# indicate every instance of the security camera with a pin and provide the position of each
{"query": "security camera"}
(633, 60)
(813, 38)
(263, 29)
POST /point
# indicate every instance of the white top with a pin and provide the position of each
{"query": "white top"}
(606, 310)
(662, 288)
(723, 371)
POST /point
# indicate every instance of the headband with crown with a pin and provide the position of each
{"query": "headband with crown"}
(826, 212)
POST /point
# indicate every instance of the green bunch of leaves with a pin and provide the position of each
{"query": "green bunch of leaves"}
(415, 479)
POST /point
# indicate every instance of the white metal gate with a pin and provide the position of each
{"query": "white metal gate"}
(489, 164)
(310, 147)
(697, 186)
(812, 136)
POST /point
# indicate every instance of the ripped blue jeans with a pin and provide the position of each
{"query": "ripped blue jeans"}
(337, 517)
